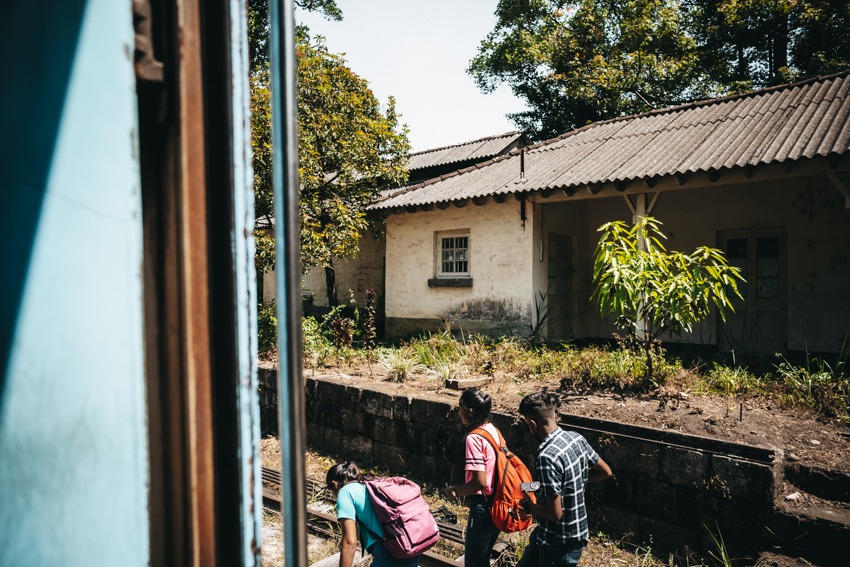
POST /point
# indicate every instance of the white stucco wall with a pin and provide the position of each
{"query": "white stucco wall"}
(500, 255)
(506, 262)
(355, 274)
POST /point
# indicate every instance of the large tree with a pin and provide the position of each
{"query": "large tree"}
(750, 44)
(349, 147)
(576, 61)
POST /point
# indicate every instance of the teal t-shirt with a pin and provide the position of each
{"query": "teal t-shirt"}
(354, 503)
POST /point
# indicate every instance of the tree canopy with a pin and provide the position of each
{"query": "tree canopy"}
(578, 61)
(349, 147)
(258, 25)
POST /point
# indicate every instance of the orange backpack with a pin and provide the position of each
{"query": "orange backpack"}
(509, 473)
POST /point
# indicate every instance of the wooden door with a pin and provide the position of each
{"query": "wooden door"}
(559, 296)
(759, 321)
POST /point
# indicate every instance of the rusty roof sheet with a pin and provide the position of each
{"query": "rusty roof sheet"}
(785, 123)
(483, 148)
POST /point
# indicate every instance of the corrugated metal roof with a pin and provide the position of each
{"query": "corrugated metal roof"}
(483, 148)
(785, 123)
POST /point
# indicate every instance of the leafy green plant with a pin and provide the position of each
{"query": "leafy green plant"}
(399, 363)
(267, 327)
(541, 320)
(729, 381)
(817, 385)
(434, 349)
(369, 326)
(317, 347)
(651, 291)
(719, 553)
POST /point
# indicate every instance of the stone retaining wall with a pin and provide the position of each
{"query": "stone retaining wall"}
(669, 488)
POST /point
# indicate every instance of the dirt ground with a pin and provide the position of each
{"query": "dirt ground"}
(801, 437)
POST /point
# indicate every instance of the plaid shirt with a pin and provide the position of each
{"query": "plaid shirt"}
(563, 461)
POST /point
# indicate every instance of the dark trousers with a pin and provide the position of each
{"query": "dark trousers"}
(481, 534)
(549, 555)
(382, 558)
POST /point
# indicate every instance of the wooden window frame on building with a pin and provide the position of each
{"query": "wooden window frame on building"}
(451, 278)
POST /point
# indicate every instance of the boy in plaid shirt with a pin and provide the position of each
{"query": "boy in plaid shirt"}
(565, 464)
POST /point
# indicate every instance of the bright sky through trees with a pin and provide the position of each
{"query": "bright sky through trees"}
(418, 52)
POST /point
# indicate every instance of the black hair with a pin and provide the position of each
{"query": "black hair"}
(478, 403)
(538, 406)
(343, 472)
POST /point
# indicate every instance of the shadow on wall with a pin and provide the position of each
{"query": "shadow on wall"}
(38, 48)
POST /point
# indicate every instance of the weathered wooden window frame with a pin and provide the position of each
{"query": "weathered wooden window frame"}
(450, 279)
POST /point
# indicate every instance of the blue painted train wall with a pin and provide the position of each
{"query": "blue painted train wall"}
(73, 438)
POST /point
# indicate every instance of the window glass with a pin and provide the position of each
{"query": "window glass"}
(767, 266)
(454, 254)
(736, 253)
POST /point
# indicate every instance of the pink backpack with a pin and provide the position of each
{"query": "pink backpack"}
(409, 527)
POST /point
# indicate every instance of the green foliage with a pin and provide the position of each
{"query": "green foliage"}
(730, 381)
(580, 61)
(618, 369)
(400, 363)
(577, 61)
(639, 282)
(651, 291)
(541, 310)
(818, 386)
(349, 148)
(369, 328)
(258, 25)
(317, 347)
(719, 553)
(267, 327)
(432, 350)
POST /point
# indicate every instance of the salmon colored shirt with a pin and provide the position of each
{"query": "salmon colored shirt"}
(480, 456)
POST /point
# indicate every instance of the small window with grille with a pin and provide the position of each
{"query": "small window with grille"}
(454, 254)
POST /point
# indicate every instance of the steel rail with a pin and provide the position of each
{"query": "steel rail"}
(318, 521)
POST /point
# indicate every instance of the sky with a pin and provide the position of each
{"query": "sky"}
(418, 51)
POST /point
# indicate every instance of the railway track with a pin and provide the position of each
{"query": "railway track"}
(324, 524)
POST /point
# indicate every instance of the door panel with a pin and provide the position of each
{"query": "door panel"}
(759, 321)
(558, 324)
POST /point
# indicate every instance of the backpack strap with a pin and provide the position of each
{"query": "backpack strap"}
(498, 446)
(363, 526)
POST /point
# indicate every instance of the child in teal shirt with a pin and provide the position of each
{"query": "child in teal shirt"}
(354, 508)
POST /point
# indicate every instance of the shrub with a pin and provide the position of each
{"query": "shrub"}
(317, 347)
(433, 350)
(817, 386)
(400, 363)
(267, 327)
(651, 291)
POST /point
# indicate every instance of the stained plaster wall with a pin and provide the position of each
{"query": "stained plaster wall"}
(817, 227)
(355, 274)
(500, 252)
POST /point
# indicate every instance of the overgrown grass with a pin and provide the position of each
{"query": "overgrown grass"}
(817, 385)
